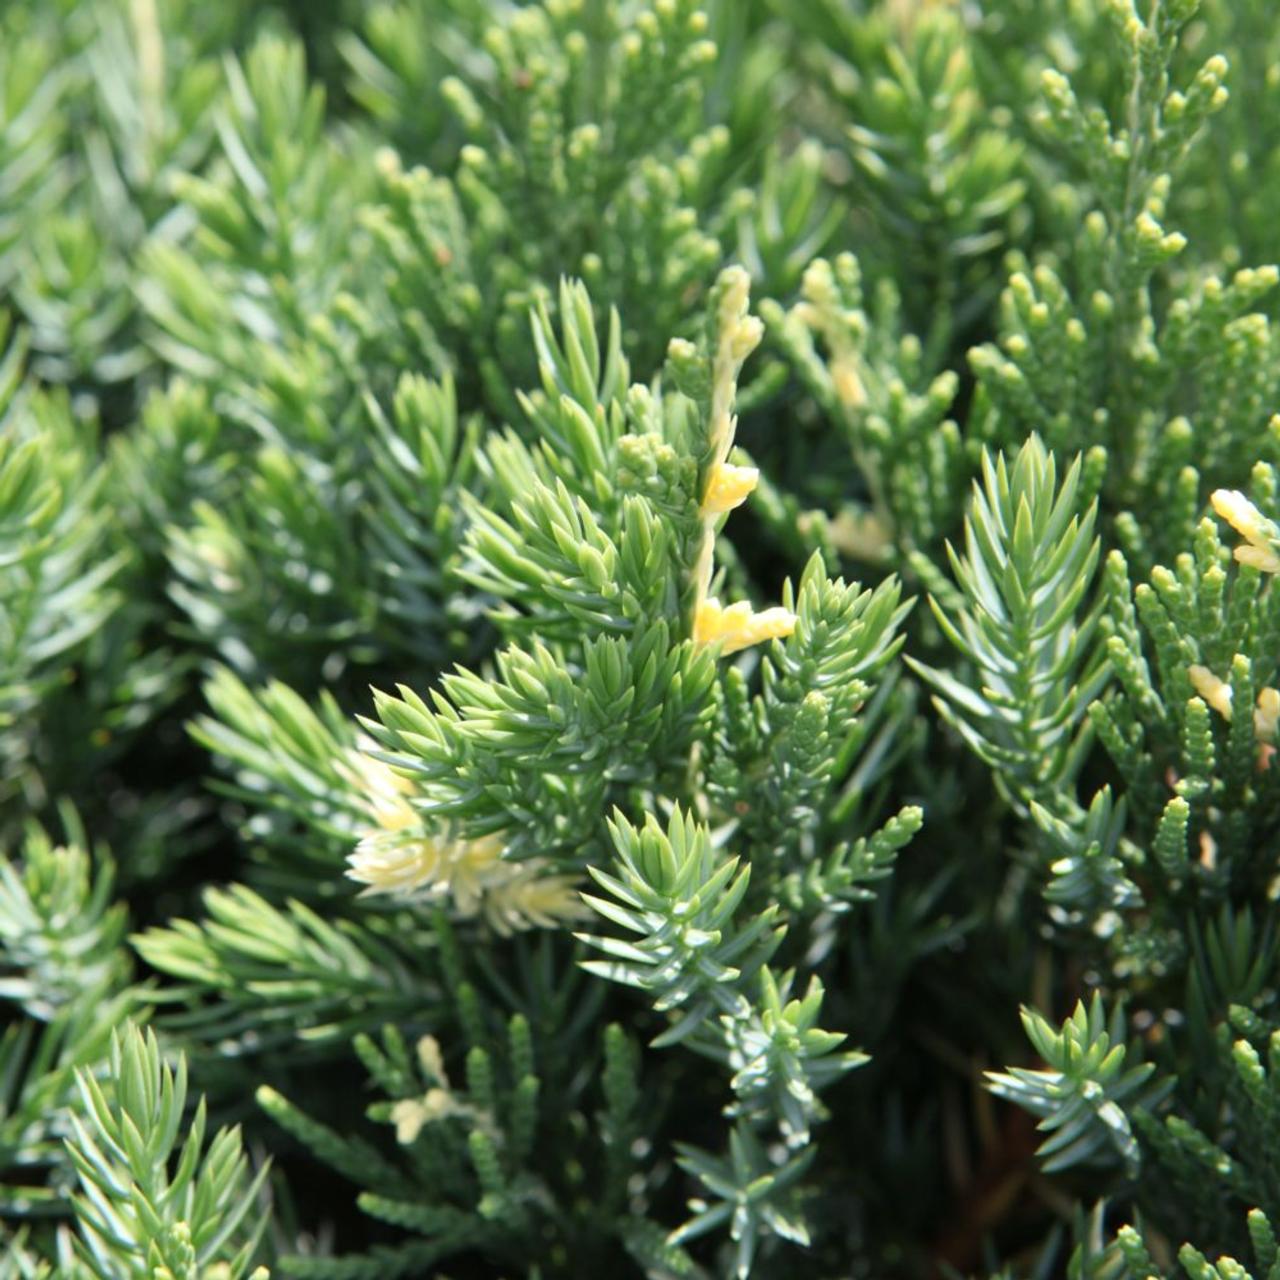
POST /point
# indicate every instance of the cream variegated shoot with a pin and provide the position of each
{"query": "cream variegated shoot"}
(411, 1115)
(726, 485)
(739, 626)
(1217, 693)
(1213, 689)
(1261, 537)
(400, 855)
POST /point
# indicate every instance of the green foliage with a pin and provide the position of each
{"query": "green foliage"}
(53, 575)
(600, 383)
(939, 175)
(879, 392)
(751, 1193)
(136, 1216)
(1093, 351)
(471, 1172)
(270, 973)
(1029, 561)
(583, 148)
(1081, 1097)
(1201, 616)
(696, 962)
(672, 891)
(1090, 856)
(65, 986)
(780, 754)
(1129, 1257)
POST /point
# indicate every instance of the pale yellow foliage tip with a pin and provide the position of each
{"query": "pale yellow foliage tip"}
(398, 855)
(1259, 533)
(728, 487)
(409, 1115)
(1217, 693)
(739, 626)
(1214, 690)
